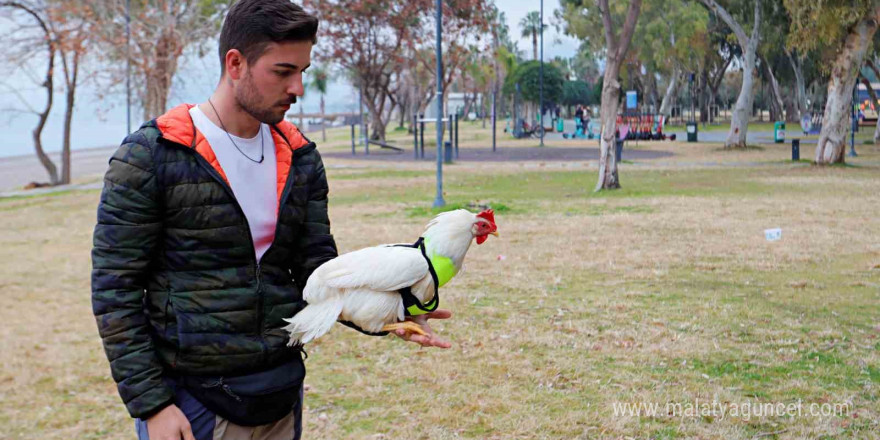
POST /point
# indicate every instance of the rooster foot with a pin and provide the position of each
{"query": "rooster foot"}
(409, 326)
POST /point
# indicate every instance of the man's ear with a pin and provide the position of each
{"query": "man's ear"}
(236, 64)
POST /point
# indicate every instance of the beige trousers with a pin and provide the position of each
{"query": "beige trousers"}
(280, 430)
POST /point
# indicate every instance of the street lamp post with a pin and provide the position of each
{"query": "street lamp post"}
(438, 200)
(855, 122)
(128, 66)
(541, 99)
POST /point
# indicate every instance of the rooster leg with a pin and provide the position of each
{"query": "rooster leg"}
(409, 326)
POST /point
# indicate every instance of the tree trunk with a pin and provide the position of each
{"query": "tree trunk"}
(535, 44)
(655, 96)
(43, 116)
(792, 114)
(159, 76)
(777, 107)
(483, 107)
(65, 149)
(671, 89)
(836, 120)
(800, 86)
(703, 96)
(608, 178)
(377, 129)
(714, 85)
(377, 122)
(616, 48)
(71, 74)
(48, 85)
(467, 104)
(739, 123)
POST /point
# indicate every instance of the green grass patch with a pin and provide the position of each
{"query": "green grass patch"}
(532, 189)
(333, 175)
(423, 211)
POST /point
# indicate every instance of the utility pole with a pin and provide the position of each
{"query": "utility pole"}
(541, 99)
(438, 200)
(363, 119)
(855, 122)
(494, 84)
(127, 66)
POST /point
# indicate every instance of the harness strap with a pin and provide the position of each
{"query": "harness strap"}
(411, 304)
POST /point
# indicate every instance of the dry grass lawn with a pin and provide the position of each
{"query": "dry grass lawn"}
(663, 292)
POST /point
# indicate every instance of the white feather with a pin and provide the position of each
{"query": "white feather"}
(362, 286)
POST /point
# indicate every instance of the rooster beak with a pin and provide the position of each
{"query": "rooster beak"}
(495, 233)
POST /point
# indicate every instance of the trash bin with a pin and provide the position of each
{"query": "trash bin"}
(795, 150)
(779, 132)
(692, 131)
(447, 152)
(560, 125)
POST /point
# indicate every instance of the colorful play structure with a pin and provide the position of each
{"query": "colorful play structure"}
(581, 131)
(640, 126)
(811, 123)
(630, 126)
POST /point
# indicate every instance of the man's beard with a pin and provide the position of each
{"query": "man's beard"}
(249, 98)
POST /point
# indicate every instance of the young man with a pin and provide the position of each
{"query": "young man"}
(211, 220)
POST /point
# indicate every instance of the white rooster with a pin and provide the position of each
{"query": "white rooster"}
(373, 289)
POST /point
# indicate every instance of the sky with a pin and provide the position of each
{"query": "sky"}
(100, 121)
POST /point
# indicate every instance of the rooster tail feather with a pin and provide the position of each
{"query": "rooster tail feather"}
(313, 321)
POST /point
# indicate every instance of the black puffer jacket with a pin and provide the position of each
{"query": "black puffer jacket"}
(175, 282)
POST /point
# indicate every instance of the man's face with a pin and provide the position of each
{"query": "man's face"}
(272, 83)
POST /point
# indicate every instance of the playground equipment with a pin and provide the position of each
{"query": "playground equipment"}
(811, 123)
(419, 134)
(581, 131)
(646, 127)
(641, 126)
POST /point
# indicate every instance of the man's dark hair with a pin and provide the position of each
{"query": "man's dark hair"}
(251, 25)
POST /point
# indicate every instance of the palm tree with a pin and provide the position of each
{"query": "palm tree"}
(531, 26)
(319, 84)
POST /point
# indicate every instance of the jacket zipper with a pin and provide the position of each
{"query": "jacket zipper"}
(284, 194)
(261, 325)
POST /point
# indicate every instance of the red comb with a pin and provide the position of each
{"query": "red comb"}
(489, 215)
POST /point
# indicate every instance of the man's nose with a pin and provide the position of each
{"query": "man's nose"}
(296, 86)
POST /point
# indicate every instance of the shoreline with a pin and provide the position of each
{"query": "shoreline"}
(21, 169)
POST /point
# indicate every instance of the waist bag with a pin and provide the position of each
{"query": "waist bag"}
(252, 399)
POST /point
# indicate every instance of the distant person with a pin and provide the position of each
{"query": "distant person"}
(211, 220)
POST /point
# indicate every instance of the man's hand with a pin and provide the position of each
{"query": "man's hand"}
(169, 424)
(430, 339)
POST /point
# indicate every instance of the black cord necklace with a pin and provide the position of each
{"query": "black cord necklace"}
(262, 139)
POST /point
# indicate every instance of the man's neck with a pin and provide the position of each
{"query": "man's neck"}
(227, 114)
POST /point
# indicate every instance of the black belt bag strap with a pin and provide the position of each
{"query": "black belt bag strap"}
(253, 399)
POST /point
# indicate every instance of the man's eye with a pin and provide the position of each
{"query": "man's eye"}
(282, 73)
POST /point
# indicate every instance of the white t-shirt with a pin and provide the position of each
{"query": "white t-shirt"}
(254, 184)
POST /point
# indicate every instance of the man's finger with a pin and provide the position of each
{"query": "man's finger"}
(439, 314)
(188, 433)
(419, 339)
